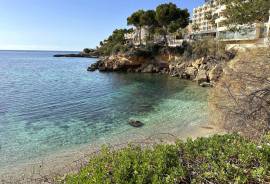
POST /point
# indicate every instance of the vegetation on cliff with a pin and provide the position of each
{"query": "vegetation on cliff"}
(167, 18)
(114, 43)
(218, 159)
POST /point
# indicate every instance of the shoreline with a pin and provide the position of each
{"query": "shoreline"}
(72, 159)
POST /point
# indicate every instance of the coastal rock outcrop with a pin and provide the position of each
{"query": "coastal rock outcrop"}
(205, 71)
(91, 53)
(123, 63)
(94, 66)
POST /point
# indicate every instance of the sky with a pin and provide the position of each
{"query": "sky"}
(68, 24)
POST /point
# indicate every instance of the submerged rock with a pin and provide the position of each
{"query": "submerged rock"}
(135, 123)
(206, 84)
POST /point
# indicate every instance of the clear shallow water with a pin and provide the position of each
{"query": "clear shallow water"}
(51, 104)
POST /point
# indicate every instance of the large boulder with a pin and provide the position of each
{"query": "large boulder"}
(177, 70)
(93, 67)
(215, 73)
(191, 72)
(148, 68)
(198, 62)
(202, 76)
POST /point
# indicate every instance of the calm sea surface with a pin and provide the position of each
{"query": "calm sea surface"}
(51, 104)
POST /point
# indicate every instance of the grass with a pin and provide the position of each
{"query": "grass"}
(218, 159)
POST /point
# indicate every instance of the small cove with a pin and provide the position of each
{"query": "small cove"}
(53, 105)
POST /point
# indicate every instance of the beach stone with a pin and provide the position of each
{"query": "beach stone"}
(135, 123)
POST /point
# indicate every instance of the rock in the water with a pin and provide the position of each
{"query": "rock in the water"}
(206, 84)
(135, 123)
(93, 67)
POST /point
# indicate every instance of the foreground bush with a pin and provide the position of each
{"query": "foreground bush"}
(219, 159)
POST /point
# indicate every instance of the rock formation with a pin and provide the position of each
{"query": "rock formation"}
(205, 71)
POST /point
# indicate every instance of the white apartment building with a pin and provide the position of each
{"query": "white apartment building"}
(201, 24)
(256, 34)
(134, 37)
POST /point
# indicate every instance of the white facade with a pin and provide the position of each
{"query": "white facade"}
(256, 32)
(134, 37)
(199, 18)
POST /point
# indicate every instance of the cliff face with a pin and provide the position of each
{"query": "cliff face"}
(206, 70)
(128, 63)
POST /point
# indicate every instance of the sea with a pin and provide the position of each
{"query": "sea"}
(53, 105)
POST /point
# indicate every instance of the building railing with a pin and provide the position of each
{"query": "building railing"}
(245, 34)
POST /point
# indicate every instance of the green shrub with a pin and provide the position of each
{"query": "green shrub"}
(203, 48)
(153, 48)
(115, 43)
(206, 47)
(228, 158)
(86, 50)
(219, 159)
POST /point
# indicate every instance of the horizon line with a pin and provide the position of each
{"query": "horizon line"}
(37, 50)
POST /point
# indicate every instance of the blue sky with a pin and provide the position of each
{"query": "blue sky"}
(67, 24)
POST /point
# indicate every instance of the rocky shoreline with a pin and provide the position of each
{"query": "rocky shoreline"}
(205, 71)
(76, 55)
(87, 53)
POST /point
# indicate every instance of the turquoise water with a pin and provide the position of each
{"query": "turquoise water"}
(51, 104)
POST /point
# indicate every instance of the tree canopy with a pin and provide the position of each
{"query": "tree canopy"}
(170, 18)
(135, 20)
(167, 14)
(239, 12)
(148, 18)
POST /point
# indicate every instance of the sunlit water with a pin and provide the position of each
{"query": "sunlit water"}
(51, 104)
